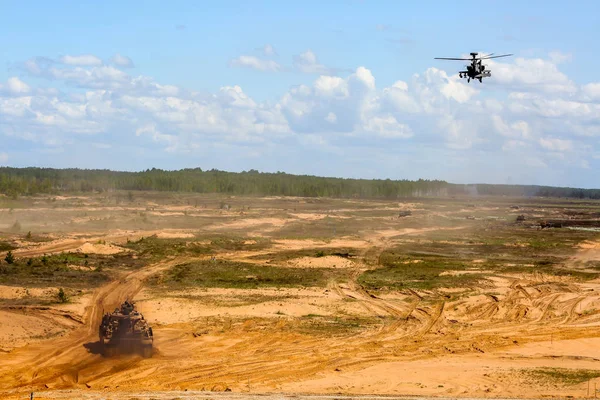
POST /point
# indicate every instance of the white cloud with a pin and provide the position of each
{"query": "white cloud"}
(558, 58)
(122, 61)
(331, 86)
(83, 60)
(556, 144)
(398, 98)
(511, 145)
(268, 50)
(387, 127)
(3, 158)
(256, 63)
(518, 129)
(14, 86)
(307, 63)
(536, 75)
(235, 96)
(592, 91)
(152, 132)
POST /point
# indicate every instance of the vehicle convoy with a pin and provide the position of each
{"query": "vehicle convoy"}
(125, 330)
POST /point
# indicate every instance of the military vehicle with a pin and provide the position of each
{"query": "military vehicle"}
(476, 70)
(125, 330)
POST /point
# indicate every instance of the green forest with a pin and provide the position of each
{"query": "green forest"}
(16, 182)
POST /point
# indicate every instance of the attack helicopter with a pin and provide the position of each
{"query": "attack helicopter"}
(476, 70)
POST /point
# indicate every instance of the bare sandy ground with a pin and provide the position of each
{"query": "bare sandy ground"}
(262, 341)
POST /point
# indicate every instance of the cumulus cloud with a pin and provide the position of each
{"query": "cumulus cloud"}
(95, 77)
(526, 121)
(15, 87)
(268, 50)
(122, 61)
(307, 63)
(556, 144)
(592, 91)
(535, 75)
(3, 158)
(256, 63)
(83, 60)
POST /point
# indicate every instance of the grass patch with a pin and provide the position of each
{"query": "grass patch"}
(230, 274)
(397, 269)
(234, 300)
(155, 248)
(550, 267)
(66, 269)
(562, 376)
(286, 255)
(398, 273)
(6, 246)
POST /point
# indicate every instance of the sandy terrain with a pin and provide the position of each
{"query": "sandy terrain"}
(452, 342)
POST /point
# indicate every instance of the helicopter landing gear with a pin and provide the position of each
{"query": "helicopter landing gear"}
(468, 80)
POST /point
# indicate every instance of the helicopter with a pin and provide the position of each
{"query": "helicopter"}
(476, 70)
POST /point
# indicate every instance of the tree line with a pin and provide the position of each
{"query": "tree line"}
(32, 181)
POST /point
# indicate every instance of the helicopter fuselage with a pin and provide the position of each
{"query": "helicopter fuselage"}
(475, 71)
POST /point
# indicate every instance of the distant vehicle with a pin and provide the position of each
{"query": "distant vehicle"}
(476, 70)
(125, 329)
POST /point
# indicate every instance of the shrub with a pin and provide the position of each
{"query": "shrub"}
(62, 296)
(10, 258)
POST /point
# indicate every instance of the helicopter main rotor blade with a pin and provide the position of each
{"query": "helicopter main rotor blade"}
(487, 58)
(443, 58)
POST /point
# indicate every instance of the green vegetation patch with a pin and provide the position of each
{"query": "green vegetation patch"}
(286, 255)
(69, 270)
(230, 274)
(6, 246)
(403, 271)
(550, 267)
(562, 376)
(233, 300)
(74, 270)
(157, 248)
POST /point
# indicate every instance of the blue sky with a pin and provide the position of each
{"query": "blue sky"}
(344, 88)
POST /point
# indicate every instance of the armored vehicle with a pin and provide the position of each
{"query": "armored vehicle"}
(125, 330)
